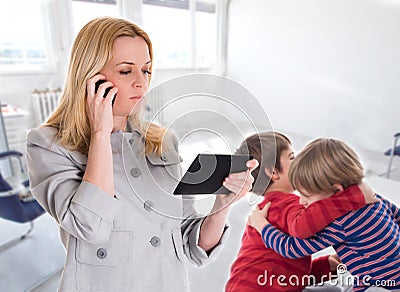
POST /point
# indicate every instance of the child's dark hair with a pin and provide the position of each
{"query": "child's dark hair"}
(266, 148)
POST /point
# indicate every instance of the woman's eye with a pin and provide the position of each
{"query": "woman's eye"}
(147, 72)
(124, 72)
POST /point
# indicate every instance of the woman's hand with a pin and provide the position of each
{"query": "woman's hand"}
(258, 217)
(99, 107)
(239, 184)
(214, 224)
(101, 124)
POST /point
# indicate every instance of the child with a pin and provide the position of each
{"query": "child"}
(257, 268)
(367, 240)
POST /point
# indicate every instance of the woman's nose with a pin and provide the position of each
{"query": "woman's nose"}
(139, 81)
(137, 84)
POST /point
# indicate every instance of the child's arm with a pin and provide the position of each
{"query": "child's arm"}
(293, 247)
(289, 246)
(304, 222)
(395, 210)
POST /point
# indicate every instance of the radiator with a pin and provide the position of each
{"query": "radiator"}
(44, 103)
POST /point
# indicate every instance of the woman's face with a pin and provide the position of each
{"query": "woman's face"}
(129, 72)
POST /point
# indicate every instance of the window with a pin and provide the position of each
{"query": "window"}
(85, 10)
(23, 44)
(184, 32)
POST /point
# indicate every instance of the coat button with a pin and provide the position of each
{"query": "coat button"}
(155, 241)
(164, 158)
(135, 172)
(101, 253)
(148, 205)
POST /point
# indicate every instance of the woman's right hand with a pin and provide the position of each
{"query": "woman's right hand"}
(99, 107)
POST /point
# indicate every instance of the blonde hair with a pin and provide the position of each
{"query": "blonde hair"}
(91, 52)
(266, 148)
(323, 163)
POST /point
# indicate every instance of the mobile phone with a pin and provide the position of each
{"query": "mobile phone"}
(96, 87)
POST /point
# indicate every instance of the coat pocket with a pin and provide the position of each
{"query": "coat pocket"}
(180, 256)
(114, 252)
(178, 244)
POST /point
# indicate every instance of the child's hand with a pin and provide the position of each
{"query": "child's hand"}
(334, 261)
(258, 218)
(369, 194)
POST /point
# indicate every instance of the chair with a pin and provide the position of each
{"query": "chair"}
(16, 201)
(395, 150)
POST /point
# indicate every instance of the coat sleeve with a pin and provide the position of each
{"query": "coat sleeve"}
(191, 224)
(79, 207)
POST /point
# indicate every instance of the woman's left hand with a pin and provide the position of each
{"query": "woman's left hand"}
(239, 184)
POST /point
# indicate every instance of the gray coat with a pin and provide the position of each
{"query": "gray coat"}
(137, 241)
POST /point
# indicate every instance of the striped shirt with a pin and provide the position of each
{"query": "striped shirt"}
(366, 240)
(257, 268)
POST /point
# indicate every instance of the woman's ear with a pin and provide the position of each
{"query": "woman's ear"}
(337, 188)
(272, 173)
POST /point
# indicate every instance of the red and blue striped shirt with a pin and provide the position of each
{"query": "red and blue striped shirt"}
(258, 268)
(366, 240)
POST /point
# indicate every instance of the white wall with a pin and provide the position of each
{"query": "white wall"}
(321, 68)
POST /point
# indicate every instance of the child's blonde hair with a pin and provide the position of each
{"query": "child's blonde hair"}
(323, 163)
(266, 148)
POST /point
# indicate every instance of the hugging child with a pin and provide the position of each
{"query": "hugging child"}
(258, 268)
(366, 240)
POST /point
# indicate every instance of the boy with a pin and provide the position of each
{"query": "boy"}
(257, 268)
(367, 240)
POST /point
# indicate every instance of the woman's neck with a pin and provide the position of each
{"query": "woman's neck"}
(119, 123)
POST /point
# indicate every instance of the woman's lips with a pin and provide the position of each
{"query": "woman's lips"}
(136, 97)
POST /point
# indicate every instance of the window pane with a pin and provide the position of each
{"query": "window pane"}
(169, 31)
(206, 34)
(168, 23)
(23, 38)
(84, 11)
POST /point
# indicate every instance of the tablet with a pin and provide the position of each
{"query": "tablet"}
(207, 172)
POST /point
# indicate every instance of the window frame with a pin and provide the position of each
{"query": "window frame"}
(52, 45)
(220, 6)
(58, 30)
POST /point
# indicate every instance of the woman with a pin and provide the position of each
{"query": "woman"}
(107, 177)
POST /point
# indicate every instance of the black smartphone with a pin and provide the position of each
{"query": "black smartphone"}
(96, 87)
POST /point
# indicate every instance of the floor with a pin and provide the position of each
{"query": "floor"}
(24, 264)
